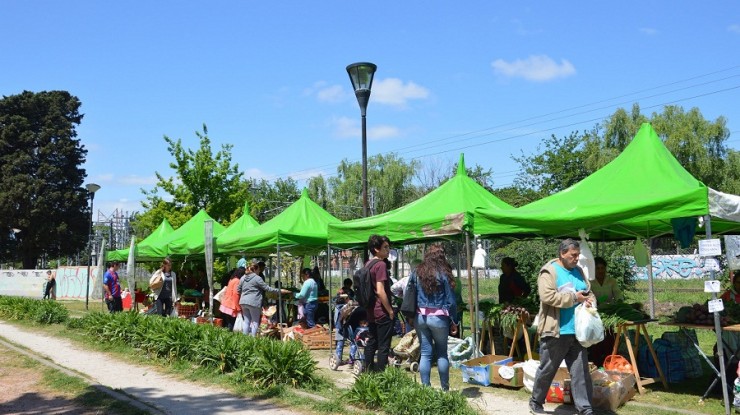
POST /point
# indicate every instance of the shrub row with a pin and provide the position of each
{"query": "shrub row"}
(395, 393)
(20, 308)
(264, 362)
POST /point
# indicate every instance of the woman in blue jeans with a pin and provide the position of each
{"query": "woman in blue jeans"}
(435, 312)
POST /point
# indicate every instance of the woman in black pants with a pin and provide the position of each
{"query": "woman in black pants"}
(166, 296)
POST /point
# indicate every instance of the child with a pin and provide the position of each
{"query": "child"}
(342, 300)
(362, 334)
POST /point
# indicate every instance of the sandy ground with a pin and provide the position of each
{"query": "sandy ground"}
(172, 396)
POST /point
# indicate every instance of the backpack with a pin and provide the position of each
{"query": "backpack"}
(364, 287)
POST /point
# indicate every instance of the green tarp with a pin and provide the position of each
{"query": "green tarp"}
(300, 229)
(152, 248)
(444, 212)
(190, 238)
(636, 194)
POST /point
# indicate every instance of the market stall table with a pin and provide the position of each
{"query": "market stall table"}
(622, 329)
(734, 355)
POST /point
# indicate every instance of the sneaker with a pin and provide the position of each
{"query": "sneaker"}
(351, 361)
(535, 408)
(586, 412)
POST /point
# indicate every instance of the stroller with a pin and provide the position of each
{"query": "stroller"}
(354, 334)
(408, 351)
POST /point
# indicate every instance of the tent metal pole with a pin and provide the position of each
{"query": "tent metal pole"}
(718, 330)
(471, 303)
(280, 294)
(651, 290)
(327, 266)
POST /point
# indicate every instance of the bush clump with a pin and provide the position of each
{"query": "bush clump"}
(395, 393)
(39, 311)
(262, 361)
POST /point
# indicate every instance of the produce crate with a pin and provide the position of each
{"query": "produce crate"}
(186, 311)
(316, 338)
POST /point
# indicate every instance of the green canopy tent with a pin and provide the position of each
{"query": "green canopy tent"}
(638, 194)
(189, 238)
(635, 195)
(300, 229)
(151, 248)
(444, 213)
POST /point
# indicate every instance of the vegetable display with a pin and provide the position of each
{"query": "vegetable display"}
(699, 314)
(615, 314)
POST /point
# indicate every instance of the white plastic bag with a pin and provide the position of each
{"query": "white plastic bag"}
(586, 258)
(219, 295)
(530, 371)
(239, 323)
(589, 327)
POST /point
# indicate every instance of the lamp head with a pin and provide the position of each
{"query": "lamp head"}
(361, 74)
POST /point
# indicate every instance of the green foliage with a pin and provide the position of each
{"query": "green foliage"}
(395, 393)
(39, 311)
(264, 362)
(41, 177)
(202, 180)
(388, 175)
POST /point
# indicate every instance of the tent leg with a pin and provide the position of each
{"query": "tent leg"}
(651, 290)
(718, 330)
(471, 302)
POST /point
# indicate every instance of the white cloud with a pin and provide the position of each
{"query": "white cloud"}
(332, 94)
(102, 178)
(649, 31)
(307, 174)
(256, 174)
(735, 28)
(345, 127)
(538, 68)
(394, 92)
(327, 93)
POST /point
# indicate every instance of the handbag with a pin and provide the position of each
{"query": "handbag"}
(408, 305)
(156, 281)
(219, 295)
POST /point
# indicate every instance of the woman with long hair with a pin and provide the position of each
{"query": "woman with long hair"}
(166, 295)
(436, 312)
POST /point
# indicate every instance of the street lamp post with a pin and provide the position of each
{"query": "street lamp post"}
(91, 189)
(361, 74)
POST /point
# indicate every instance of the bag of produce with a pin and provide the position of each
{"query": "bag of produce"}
(589, 328)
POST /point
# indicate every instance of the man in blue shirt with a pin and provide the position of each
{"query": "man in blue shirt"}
(112, 289)
(562, 287)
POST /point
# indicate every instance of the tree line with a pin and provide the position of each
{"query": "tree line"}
(44, 209)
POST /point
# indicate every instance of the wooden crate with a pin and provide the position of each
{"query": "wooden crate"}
(187, 311)
(317, 338)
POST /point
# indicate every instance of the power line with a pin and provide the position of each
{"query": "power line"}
(480, 132)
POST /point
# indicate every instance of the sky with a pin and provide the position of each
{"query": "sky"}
(488, 79)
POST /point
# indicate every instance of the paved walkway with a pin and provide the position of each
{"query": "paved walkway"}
(160, 393)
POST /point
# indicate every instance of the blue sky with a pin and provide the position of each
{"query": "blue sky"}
(488, 79)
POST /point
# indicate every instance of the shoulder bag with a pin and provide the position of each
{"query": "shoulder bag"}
(408, 305)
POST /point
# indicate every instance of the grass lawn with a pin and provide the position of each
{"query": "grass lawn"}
(670, 295)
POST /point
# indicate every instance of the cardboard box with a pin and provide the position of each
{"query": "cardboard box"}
(485, 371)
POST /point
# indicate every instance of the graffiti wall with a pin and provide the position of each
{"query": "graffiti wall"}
(672, 267)
(22, 282)
(71, 283)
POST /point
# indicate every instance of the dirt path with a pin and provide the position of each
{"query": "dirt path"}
(166, 394)
(172, 396)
